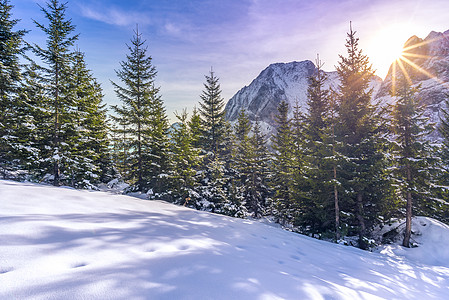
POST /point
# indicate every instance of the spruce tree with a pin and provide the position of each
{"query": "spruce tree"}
(216, 145)
(40, 117)
(143, 114)
(57, 57)
(212, 115)
(444, 157)
(319, 200)
(412, 153)
(242, 164)
(283, 167)
(357, 132)
(13, 131)
(299, 180)
(334, 159)
(91, 161)
(195, 128)
(185, 160)
(258, 191)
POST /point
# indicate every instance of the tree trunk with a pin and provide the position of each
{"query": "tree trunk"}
(139, 162)
(337, 208)
(408, 214)
(56, 171)
(362, 227)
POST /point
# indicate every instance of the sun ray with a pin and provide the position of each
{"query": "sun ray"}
(425, 72)
(415, 55)
(404, 71)
(393, 77)
(408, 48)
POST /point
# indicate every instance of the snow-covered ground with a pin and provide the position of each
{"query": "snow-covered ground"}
(59, 243)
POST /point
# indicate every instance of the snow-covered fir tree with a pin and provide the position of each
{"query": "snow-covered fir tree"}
(443, 179)
(212, 115)
(318, 199)
(142, 115)
(39, 118)
(65, 107)
(285, 204)
(216, 190)
(242, 152)
(91, 158)
(185, 162)
(250, 160)
(195, 128)
(357, 131)
(14, 153)
(57, 57)
(299, 181)
(413, 155)
(259, 203)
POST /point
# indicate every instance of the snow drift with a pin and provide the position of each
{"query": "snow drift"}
(59, 243)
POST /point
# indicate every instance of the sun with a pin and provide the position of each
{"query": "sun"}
(392, 47)
(385, 46)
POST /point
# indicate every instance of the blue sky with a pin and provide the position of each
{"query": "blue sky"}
(238, 38)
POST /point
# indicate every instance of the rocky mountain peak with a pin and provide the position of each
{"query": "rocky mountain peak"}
(278, 82)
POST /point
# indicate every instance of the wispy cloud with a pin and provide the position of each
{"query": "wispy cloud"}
(115, 16)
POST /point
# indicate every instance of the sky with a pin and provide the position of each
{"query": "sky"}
(236, 38)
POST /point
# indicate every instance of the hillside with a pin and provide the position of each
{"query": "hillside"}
(59, 243)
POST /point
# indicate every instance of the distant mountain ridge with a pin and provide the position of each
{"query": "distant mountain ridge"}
(289, 81)
(278, 82)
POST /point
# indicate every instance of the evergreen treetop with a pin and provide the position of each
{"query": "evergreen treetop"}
(58, 57)
(144, 119)
(212, 114)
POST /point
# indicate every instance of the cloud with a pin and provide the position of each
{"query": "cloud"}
(114, 16)
(172, 29)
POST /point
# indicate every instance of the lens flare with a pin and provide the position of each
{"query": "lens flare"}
(407, 61)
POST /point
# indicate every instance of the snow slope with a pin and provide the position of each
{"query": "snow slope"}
(59, 243)
(429, 235)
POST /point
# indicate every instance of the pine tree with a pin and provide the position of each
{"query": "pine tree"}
(40, 119)
(412, 152)
(334, 159)
(319, 202)
(258, 191)
(283, 167)
(13, 150)
(185, 159)
(356, 131)
(212, 115)
(91, 161)
(213, 192)
(216, 145)
(299, 179)
(444, 157)
(241, 161)
(143, 114)
(195, 128)
(58, 58)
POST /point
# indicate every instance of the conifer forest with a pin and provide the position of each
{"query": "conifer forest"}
(338, 169)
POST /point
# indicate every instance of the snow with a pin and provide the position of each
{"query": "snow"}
(59, 243)
(431, 238)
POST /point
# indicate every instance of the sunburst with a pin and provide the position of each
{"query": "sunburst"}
(405, 61)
